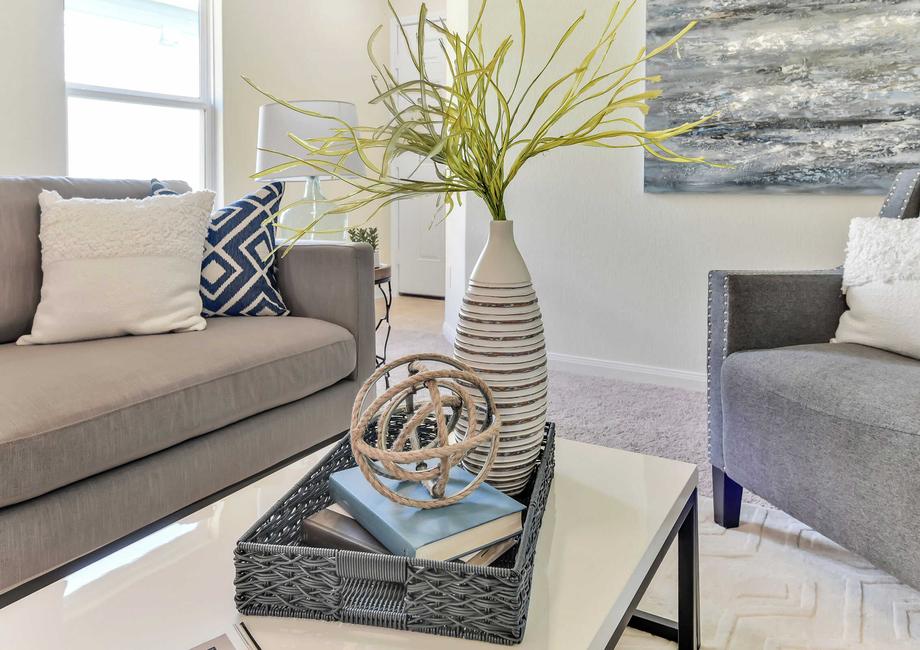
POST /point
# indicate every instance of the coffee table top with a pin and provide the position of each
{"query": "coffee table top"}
(607, 516)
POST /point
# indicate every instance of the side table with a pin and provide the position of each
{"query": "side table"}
(383, 278)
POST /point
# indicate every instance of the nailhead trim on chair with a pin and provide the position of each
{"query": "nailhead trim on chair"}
(907, 194)
(709, 365)
(724, 351)
(897, 179)
(709, 353)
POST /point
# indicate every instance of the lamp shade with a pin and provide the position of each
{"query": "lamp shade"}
(276, 121)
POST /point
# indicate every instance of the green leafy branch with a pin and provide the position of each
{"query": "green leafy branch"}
(476, 131)
(367, 235)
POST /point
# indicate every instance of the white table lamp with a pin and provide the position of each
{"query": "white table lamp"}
(276, 121)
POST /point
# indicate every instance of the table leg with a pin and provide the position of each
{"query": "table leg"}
(688, 581)
(387, 303)
(686, 630)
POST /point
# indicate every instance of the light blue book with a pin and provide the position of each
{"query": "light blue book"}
(483, 518)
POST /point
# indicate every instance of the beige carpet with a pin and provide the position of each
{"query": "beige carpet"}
(771, 584)
(657, 420)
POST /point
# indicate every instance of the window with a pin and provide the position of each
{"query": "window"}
(139, 90)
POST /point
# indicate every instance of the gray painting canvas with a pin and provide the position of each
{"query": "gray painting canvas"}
(814, 96)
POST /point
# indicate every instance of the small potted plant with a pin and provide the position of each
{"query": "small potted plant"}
(368, 236)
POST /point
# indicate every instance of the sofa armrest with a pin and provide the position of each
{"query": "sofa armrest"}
(335, 283)
(756, 310)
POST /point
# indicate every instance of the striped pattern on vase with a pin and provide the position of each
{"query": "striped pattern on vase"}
(500, 335)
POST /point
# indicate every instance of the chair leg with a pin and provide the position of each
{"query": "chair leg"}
(726, 497)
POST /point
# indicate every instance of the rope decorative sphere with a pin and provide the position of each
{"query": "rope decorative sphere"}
(447, 388)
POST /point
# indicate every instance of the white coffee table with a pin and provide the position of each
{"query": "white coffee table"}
(610, 517)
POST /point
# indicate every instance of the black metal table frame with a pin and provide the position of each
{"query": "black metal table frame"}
(685, 631)
(388, 303)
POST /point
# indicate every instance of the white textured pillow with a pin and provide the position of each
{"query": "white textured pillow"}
(881, 280)
(116, 267)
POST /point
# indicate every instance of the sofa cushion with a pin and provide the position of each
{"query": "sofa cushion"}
(830, 433)
(69, 411)
(854, 382)
(41, 534)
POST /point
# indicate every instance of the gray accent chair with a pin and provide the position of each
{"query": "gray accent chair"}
(828, 432)
(102, 439)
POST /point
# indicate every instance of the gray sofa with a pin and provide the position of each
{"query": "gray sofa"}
(102, 440)
(830, 433)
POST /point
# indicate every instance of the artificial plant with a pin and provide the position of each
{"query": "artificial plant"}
(366, 235)
(487, 121)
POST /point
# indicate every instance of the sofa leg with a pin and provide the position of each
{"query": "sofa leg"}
(726, 497)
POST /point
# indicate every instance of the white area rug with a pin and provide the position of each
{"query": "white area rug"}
(775, 584)
(771, 584)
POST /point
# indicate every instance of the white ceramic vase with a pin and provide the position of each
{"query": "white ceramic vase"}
(500, 335)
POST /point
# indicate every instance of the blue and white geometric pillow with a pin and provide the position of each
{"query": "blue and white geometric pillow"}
(238, 269)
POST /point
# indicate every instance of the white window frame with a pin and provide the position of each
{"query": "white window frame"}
(205, 102)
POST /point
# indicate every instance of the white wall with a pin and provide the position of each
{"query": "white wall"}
(411, 7)
(33, 112)
(621, 274)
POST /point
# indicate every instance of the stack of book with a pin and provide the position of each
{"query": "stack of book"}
(477, 530)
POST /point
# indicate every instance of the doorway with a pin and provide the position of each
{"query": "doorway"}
(417, 224)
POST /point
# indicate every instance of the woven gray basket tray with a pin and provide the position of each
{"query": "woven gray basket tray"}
(277, 576)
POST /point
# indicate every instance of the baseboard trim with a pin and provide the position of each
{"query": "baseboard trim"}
(634, 372)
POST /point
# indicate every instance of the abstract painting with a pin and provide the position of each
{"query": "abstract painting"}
(814, 96)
